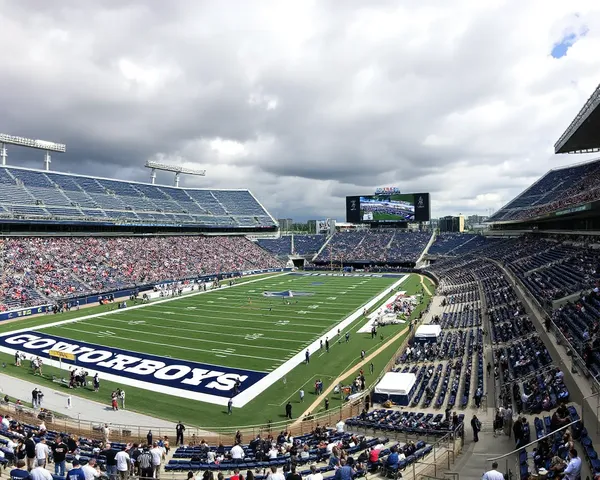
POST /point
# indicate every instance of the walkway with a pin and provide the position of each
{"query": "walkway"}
(81, 408)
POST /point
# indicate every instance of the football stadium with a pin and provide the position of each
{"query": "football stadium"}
(180, 332)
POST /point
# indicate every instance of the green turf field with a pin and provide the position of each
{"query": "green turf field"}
(234, 327)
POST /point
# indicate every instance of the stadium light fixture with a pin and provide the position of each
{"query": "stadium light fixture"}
(48, 147)
(172, 168)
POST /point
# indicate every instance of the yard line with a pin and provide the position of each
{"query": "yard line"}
(278, 360)
(245, 345)
(302, 317)
(229, 325)
(273, 323)
(210, 332)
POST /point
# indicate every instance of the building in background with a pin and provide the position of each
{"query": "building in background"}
(452, 224)
(285, 224)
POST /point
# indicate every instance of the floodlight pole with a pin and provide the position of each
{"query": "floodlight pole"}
(3, 153)
(177, 170)
(47, 160)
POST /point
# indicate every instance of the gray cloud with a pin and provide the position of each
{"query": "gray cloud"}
(303, 103)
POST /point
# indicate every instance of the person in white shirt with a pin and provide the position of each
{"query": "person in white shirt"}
(89, 470)
(6, 421)
(157, 456)
(39, 472)
(10, 446)
(493, 474)
(573, 470)
(273, 453)
(275, 475)
(340, 426)
(237, 452)
(41, 452)
(314, 474)
(123, 463)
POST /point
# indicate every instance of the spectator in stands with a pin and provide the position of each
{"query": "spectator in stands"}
(90, 469)
(573, 469)
(59, 454)
(476, 426)
(314, 474)
(20, 472)
(493, 474)
(40, 472)
(123, 463)
(345, 472)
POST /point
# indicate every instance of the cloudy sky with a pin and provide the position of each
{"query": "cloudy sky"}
(304, 102)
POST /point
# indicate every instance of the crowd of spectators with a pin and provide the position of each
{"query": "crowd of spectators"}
(557, 190)
(38, 268)
(374, 247)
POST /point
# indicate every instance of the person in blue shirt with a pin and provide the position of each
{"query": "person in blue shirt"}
(393, 459)
(19, 473)
(76, 473)
(345, 472)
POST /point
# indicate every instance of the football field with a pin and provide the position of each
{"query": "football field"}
(245, 342)
(236, 327)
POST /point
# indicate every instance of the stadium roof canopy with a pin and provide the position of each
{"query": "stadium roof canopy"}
(583, 135)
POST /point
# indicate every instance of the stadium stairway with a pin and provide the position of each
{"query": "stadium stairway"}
(461, 245)
(322, 248)
(426, 249)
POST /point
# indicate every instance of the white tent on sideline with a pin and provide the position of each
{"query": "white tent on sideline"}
(428, 333)
(396, 387)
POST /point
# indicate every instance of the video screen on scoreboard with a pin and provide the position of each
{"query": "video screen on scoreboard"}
(387, 208)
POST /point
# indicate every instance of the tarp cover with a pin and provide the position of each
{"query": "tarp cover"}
(394, 383)
(428, 331)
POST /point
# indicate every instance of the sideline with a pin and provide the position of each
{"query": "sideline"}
(360, 364)
(347, 373)
(254, 390)
(424, 285)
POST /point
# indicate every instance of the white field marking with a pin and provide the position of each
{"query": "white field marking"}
(209, 332)
(253, 328)
(222, 298)
(209, 301)
(178, 346)
(190, 339)
(247, 320)
(254, 390)
(256, 336)
(134, 307)
(235, 309)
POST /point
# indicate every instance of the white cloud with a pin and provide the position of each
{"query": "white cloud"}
(305, 102)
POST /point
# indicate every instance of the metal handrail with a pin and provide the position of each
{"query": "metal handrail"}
(516, 450)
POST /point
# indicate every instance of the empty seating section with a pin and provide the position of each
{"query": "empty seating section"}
(579, 323)
(550, 267)
(445, 243)
(374, 247)
(558, 189)
(277, 246)
(54, 195)
(308, 244)
(523, 368)
(38, 270)
(404, 421)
